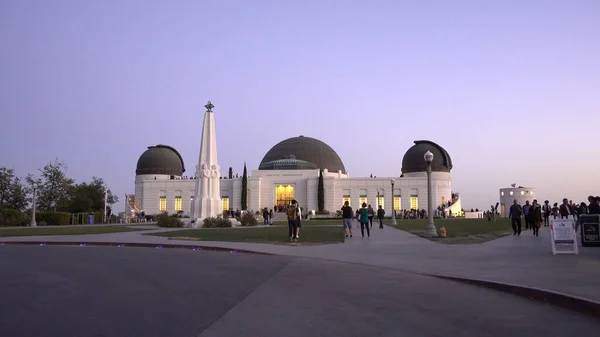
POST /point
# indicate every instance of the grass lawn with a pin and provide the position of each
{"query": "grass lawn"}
(39, 231)
(324, 222)
(461, 231)
(273, 234)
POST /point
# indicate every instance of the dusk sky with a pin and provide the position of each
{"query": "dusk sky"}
(511, 89)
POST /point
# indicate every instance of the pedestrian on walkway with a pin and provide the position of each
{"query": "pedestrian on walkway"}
(371, 215)
(380, 215)
(347, 218)
(292, 215)
(364, 220)
(535, 217)
(515, 213)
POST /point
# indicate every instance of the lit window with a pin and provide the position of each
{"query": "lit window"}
(414, 202)
(396, 203)
(502, 193)
(522, 192)
(346, 198)
(178, 205)
(511, 192)
(225, 203)
(531, 192)
(380, 202)
(363, 199)
(443, 200)
(163, 204)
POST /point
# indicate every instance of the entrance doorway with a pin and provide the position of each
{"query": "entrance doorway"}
(284, 194)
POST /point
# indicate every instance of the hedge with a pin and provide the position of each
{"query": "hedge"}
(53, 218)
(11, 217)
(166, 220)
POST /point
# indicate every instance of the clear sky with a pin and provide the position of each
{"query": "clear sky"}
(509, 88)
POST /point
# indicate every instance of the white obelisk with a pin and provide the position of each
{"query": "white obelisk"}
(207, 192)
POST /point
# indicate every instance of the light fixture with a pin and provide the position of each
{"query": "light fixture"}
(428, 156)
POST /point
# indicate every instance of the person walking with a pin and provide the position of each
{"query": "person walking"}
(515, 213)
(535, 217)
(347, 216)
(380, 215)
(371, 215)
(364, 220)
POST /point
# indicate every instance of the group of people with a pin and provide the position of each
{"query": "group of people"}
(535, 214)
(365, 216)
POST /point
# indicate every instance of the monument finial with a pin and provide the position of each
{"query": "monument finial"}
(209, 106)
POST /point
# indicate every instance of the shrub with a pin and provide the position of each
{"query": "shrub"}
(11, 217)
(216, 222)
(248, 219)
(165, 220)
(325, 212)
(53, 218)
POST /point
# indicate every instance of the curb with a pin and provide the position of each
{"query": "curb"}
(574, 303)
(129, 244)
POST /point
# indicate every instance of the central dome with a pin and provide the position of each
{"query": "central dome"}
(414, 160)
(160, 159)
(302, 153)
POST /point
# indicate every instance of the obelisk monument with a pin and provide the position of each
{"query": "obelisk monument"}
(207, 191)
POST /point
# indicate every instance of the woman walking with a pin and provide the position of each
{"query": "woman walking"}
(364, 220)
(371, 215)
(535, 217)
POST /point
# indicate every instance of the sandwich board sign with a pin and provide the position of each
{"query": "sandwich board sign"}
(562, 234)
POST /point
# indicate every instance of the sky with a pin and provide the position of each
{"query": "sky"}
(508, 88)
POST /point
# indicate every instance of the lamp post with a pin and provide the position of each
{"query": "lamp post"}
(430, 230)
(33, 223)
(393, 181)
(105, 197)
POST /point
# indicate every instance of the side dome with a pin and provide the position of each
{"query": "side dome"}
(160, 159)
(302, 153)
(414, 161)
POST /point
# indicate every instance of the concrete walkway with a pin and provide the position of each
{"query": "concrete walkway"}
(522, 260)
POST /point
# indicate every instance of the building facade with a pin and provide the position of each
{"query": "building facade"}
(510, 194)
(290, 170)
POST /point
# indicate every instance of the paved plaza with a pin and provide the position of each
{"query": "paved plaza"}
(357, 288)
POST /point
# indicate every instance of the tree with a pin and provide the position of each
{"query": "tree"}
(54, 187)
(13, 194)
(89, 197)
(321, 193)
(245, 189)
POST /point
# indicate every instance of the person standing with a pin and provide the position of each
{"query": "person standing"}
(535, 217)
(347, 215)
(298, 221)
(565, 209)
(292, 215)
(380, 215)
(371, 215)
(515, 213)
(265, 214)
(364, 220)
(594, 206)
(547, 210)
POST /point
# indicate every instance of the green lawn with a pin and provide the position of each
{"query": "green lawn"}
(274, 234)
(460, 231)
(324, 222)
(41, 231)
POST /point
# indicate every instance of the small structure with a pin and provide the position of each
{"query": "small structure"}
(510, 194)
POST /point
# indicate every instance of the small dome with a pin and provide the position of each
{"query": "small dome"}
(160, 159)
(301, 153)
(414, 160)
